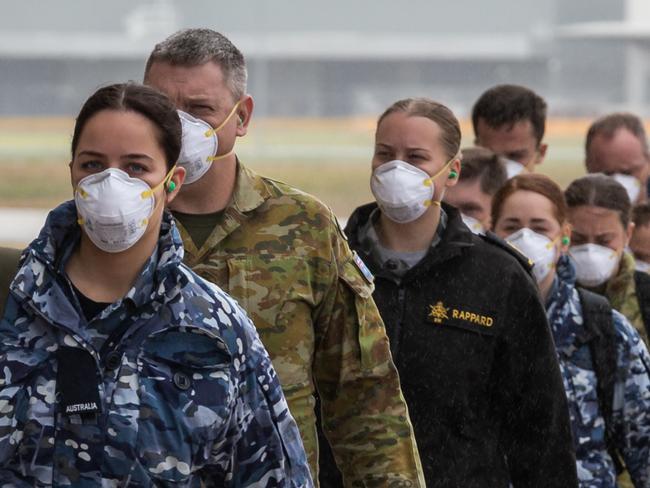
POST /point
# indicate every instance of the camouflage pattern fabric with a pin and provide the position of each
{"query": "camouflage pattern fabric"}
(281, 254)
(631, 409)
(225, 422)
(621, 292)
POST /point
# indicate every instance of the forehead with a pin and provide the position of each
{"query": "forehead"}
(524, 204)
(119, 132)
(619, 152)
(182, 83)
(592, 220)
(401, 129)
(506, 138)
(467, 191)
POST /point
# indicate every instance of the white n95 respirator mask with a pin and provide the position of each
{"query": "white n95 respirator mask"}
(473, 224)
(631, 184)
(536, 247)
(114, 209)
(199, 145)
(404, 192)
(594, 264)
(513, 168)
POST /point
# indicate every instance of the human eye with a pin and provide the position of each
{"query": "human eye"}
(382, 153)
(91, 166)
(135, 168)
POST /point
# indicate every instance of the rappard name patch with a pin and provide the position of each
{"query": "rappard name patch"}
(363, 268)
(438, 313)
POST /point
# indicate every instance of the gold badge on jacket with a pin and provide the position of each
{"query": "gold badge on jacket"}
(438, 313)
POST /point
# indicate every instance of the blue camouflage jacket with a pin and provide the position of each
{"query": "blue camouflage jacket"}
(631, 408)
(188, 399)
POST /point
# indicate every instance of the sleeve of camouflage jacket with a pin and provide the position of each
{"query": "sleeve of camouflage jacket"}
(631, 412)
(262, 444)
(364, 413)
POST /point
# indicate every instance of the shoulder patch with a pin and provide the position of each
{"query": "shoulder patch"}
(367, 274)
(495, 240)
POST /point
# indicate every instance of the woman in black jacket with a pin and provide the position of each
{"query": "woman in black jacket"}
(468, 333)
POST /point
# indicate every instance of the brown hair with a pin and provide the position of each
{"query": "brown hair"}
(599, 190)
(437, 112)
(641, 214)
(144, 100)
(534, 182)
(486, 166)
(606, 126)
(505, 105)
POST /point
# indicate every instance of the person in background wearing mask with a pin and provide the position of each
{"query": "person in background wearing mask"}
(616, 145)
(482, 174)
(599, 213)
(282, 255)
(467, 330)
(510, 120)
(640, 240)
(598, 356)
(120, 366)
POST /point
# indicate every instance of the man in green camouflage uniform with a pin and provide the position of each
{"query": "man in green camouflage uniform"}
(281, 254)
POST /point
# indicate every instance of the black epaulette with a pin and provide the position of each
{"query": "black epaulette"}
(494, 239)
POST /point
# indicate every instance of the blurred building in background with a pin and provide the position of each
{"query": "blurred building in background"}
(340, 58)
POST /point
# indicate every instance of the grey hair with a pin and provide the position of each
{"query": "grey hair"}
(194, 47)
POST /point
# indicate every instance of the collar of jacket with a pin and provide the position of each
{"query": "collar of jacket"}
(621, 291)
(250, 192)
(41, 279)
(568, 328)
(454, 239)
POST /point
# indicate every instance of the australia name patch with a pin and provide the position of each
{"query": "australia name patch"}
(438, 313)
(82, 408)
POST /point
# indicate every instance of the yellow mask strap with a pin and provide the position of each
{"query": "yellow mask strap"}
(221, 156)
(148, 193)
(429, 180)
(210, 132)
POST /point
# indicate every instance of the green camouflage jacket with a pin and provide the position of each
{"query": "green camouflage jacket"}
(621, 292)
(282, 255)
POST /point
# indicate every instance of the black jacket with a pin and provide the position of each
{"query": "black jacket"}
(477, 363)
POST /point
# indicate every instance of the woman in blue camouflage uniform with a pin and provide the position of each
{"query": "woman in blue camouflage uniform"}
(531, 213)
(118, 365)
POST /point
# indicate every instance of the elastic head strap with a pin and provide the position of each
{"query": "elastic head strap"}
(429, 180)
(148, 193)
(221, 156)
(210, 132)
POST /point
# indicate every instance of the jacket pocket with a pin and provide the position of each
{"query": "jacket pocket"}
(186, 398)
(278, 297)
(373, 341)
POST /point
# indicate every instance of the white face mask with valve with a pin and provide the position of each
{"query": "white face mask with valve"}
(474, 225)
(631, 184)
(594, 264)
(404, 192)
(114, 209)
(199, 145)
(536, 247)
(513, 168)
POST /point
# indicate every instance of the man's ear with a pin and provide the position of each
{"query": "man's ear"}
(541, 151)
(244, 114)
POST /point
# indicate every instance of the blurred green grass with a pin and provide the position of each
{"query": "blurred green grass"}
(329, 158)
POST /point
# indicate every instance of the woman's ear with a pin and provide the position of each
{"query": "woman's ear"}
(565, 237)
(454, 173)
(173, 186)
